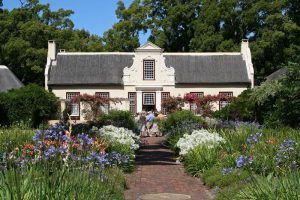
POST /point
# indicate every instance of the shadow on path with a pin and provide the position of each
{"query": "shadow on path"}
(158, 172)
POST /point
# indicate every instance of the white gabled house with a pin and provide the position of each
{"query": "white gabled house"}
(147, 76)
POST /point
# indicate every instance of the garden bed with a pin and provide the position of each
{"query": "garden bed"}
(54, 164)
(240, 160)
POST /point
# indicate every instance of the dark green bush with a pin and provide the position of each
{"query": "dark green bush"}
(274, 103)
(118, 118)
(80, 128)
(31, 105)
(241, 108)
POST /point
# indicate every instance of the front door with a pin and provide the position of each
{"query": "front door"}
(149, 101)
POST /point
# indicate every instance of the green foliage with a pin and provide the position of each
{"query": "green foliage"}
(25, 32)
(177, 118)
(240, 108)
(274, 103)
(14, 136)
(200, 159)
(123, 149)
(286, 187)
(214, 177)
(278, 101)
(271, 27)
(80, 128)
(30, 104)
(124, 35)
(218, 167)
(118, 118)
(264, 151)
(45, 182)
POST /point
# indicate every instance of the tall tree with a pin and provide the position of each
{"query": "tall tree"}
(25, 32)
(124, 35)
(272, 27)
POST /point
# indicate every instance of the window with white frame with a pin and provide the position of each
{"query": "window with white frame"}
(132, 101)
(149, 69)
(193, 106)
(104, 108)
(148, 98)
(164, 96)
(75, 107)
(224, 103)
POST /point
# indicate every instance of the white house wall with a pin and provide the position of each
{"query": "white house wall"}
(122, 92)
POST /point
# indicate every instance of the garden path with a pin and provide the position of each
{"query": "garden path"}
(158, 172)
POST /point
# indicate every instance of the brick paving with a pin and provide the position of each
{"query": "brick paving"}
(158, 172)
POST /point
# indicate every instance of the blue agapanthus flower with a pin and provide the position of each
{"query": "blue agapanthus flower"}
(243, 161)
(253, 138)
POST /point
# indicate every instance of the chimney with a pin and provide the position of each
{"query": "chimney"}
(52, 50)
(246, 53)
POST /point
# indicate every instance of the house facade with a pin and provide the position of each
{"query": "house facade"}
(145, 77)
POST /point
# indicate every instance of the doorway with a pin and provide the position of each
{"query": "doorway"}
(149, 103)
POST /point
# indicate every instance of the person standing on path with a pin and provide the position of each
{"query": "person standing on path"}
(149, 122)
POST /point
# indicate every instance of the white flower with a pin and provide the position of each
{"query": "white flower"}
(198, 137)
(121, 135)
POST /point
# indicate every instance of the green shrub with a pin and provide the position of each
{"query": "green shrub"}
(200, 159)
(80, 128)
(30, 104)
(118, 118)
(215, 177)
(240, 108)
(286, 187)
(177, 118)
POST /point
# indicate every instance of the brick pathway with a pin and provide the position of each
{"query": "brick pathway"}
(157, 172)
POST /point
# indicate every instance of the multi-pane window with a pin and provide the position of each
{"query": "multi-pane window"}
(164, 95)
(198, 94)
(224, 103)
(75, 107)
(149, 70)
(104, 108)
(149, 98)
(132, 101)
(193, 106)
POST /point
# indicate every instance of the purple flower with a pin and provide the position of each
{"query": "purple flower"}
(62, 150)
(85, 139)
(243, 161)
(4, 155)
(240, 161)
(286, 153)
(253, 138)
(49, 152)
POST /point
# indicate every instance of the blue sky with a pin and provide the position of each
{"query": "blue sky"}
(96, 16)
